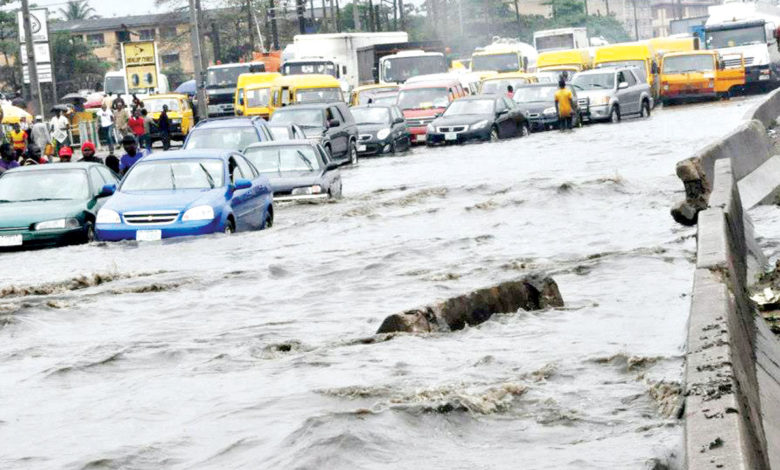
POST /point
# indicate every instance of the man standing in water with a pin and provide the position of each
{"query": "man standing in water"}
(564, 103)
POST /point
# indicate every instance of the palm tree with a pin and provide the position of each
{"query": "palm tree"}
(78, 10)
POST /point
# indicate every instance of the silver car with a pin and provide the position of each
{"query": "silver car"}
(609, 94)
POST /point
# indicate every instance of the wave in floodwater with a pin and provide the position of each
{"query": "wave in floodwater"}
(258, 350)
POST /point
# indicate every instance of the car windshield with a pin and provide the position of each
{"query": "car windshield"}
(42, 185)
(536, 94)
(364, 96)
(169, 175)
(401, 69)
(301, 117)
(280, 133)
(639, 64)
(736, 37)
(308, 68)
(492, 87)
(258, 98)
(508, 62)
(313, 95)
(282, 159)
(386, 99)
(225, 77)
(466, 107)
(423, 98)
(594, 81)
(228, 138)
(156, 105)
(371, 115)
(689, 63)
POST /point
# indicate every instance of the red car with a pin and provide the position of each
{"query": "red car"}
(422, 101)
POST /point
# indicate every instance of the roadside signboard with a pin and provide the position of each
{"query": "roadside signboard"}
(40, 33)
(140, 62)
(38, 23)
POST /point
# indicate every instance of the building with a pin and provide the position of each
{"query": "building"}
(664, 11)
(635, 15)
(534, 7)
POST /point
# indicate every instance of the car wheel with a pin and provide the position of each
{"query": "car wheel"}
(353, 155)
(614, 114)
(525, 131)
(230, 227)
(645, 109)
(494, 134)
(393, 148)
(89, 232)
(269, 220)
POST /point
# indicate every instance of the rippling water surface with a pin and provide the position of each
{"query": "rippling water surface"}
(250, 351)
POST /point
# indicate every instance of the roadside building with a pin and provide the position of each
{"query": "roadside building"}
(635, 15)
(665, 11)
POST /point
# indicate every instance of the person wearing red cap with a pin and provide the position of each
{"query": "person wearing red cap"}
(66, 153)
(88, 153)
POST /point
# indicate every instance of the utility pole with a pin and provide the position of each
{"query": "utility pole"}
(401, 14)
(334, 24)
(204, 60)
(356, 15)
(250, 27)
(196, 60)
(300, 7)
(32, 66)
(338, 17)
(636, 22)
(274, 31)
(395, 15)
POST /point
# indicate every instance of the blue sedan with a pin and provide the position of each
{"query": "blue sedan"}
(186, 192)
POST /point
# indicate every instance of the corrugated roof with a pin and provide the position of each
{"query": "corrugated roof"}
(119, 22)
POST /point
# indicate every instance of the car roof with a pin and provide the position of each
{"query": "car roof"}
(429, 84)
(215, 123)
(56, 166)
(317, 105)
(484, 96)
(365, 106)
(193, 153)
(282, 143)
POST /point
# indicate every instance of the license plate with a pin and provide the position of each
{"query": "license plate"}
(148, 235)
(361, 148)
(419, 138)
(11, 240)
(450, 136)
(763, 77)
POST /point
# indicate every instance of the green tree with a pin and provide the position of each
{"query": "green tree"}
(78, 10)
(75, 65)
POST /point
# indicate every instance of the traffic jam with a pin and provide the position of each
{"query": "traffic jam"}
(282, 134)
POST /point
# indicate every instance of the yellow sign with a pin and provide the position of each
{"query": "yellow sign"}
(140, 64)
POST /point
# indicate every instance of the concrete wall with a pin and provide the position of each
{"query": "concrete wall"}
(767, 111)
(732, 405)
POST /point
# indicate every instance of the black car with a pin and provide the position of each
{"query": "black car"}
(299, 170)
(382, 129)
(235, 133)
(537, 101)
(286, 131)
(330, 124)
(482, 117)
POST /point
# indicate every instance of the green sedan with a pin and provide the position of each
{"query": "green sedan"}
(51, 204)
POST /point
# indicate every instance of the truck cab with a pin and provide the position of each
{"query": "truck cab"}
(560, 39)
(221, 82)
(700, 75)
(399, 67)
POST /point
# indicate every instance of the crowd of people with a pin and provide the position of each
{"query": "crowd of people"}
(117, 122)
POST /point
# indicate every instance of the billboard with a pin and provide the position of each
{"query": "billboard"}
(40, 33)
(38, 25)
(140, 62)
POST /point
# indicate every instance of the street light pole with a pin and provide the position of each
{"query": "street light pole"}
(196, 61)
(32, 66)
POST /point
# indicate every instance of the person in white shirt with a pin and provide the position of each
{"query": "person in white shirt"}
(60, 124)
(107, 127)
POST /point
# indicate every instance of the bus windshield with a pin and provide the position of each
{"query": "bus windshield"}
(559, 42)
(115, 85)
(736, 37)
(225, 77)
(509, 62)
(688, 63)
(401, 69)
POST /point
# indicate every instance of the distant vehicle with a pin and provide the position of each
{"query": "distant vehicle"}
(221, 82)
(52, 204)
(394, 63)
(298, 170)
(228, 134)
(500, 83)
(569, 61)
(313, 88)
(257, 100)
(179, 112)
(286, 132)
(329, 124)
(504, 55)
(561, 39)
(381, 129)
(246, 80)
(185, 193)
(483, 117)
(640, 55)
(537, 102)
(699, 75)
(362, 94)
(386, 98)
(610, 94)
(422, 102)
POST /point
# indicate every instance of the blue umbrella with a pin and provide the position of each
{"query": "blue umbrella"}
(188, 88)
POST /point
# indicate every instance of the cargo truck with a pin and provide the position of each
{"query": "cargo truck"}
(396, 62)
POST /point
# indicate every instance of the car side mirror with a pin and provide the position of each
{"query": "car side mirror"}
(437, 115)
(502, 112)
(334, 123)
(622, 85)
(107, 190)
(331, 166)
(399, 121)
(242, 184)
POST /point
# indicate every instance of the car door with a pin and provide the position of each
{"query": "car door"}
(96, 183)
(515, 116)
(338, 142)
(503, 123)
(400, 132)
(635, 89)
(623, 94)
(349, 123)
(240, 199)
(255, 199)
(331, 180)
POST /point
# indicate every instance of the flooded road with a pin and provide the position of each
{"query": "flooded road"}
(249, 351)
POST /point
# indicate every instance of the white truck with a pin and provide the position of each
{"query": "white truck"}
(561, 39)
(116, 82)
(403, 65)
(335, 54)
(750, 29)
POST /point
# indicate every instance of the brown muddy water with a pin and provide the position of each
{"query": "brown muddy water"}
(246, 352)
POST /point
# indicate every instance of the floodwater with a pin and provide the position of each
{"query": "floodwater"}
(251, 351)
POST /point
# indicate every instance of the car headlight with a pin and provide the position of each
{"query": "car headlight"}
(316, 189)
(479, 125)
(429, 129)
(198, 213)
(58, 224)
(550, 111)
(381, 135)
(605, 99)
(107, 216)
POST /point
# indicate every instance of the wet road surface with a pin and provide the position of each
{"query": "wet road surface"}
(248, 351)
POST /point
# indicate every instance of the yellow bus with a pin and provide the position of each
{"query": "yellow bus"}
(291, 89)
(244, 81)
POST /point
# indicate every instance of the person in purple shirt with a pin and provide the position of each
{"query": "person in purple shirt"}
(8, 155)
(132, 154)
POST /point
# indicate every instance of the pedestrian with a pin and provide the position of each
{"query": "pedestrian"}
(136, 124)
(149, 127)
(107, 127)
(132, 154)
(88, 153)
(119, 101)
(108, 101)
(18, 139)
(66, 154)
(564, 103)
(40, 133)
(164, 127)
(34, 156)
(122, 119)
(59, 130)
(8, 158)
(510, 91)
(137, 103)
(112, 162)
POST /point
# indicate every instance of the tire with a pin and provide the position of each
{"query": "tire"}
(89, 232)
(393, 148)
(269, 219)
(614, 114)
(645, 113)
(525, 131)
(230, 227)
(494, 134)
(353, 154)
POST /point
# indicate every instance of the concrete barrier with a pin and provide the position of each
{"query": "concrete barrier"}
(767, 111)
(732, 390)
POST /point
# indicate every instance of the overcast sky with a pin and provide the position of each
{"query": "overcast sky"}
(103, 7)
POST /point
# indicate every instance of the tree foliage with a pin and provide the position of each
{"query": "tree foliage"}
(77, 10)
(75, 66)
